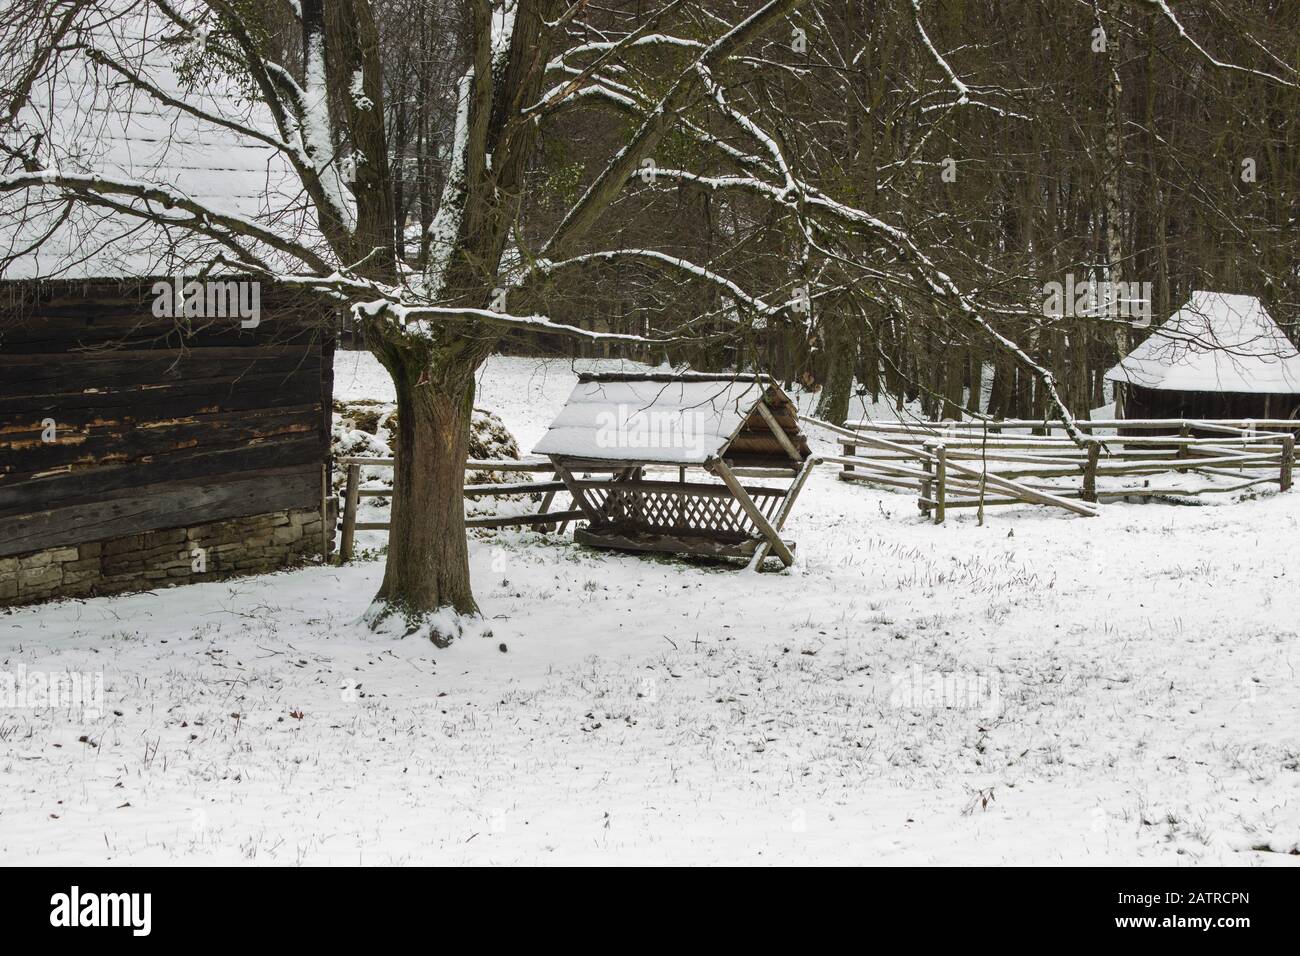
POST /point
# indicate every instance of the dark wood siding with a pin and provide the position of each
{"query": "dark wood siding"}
(1158, 403)
(160, 423)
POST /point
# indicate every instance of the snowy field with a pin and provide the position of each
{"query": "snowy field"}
(1044, 689)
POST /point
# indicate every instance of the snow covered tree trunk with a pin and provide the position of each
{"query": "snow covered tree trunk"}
(426, 577)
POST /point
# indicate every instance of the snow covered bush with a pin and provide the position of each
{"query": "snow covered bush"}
(366, 428)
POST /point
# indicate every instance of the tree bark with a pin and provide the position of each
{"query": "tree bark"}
(841, 351)
(427, 571)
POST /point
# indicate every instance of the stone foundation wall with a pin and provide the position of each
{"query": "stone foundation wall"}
(158, 559)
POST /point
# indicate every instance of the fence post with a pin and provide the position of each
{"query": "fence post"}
(350, 497)
(926, 485)
(1288, 461)
(1184, 450)
(849, 452)
(326, 532)
(1090, 471)
(941, 476)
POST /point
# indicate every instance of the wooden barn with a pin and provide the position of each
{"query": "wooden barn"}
(147, 438)
(708, 432)
(1220, 356)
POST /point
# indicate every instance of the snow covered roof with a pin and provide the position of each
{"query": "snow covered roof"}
(91, 121)
(1215, 343)
(679, 419)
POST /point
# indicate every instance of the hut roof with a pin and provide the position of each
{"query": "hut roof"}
(677, 419)
(1215, 343)
(92, 122)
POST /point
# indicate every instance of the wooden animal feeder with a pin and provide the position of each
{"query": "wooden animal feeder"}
(698, 435)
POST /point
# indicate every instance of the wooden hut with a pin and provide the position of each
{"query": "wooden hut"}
(141, 446)
(655, 462)
(1219, 356)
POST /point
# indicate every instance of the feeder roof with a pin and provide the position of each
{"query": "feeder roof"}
(677, 419)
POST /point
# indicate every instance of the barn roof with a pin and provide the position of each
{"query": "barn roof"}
(677, 419)
(1215, 343)
(91, 122)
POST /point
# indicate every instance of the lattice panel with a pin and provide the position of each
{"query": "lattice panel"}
(660, 511)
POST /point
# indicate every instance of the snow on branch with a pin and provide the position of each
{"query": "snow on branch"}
(607, 184)
(318, 129)
(677, 263)
(202, 218)
(964, 97)
(1168, 14)
(422, 321)
(444, 231)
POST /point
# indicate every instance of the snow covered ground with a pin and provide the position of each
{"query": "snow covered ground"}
(1043, 689)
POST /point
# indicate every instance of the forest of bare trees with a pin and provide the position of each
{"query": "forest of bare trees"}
(1020, 143)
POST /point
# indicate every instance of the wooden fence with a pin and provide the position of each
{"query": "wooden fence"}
(988, 464)
(353, 493)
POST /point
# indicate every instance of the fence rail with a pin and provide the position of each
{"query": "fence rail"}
(985, 464)
(353, 493)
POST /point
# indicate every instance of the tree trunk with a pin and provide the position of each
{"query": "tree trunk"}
(841, 352)
(1114, 168)
(976, 380)
(426, 579)
(958, 365)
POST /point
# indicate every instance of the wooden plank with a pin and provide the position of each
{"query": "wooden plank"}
(927, 484)
(778, 432)
(524, 488)
(690, 489)
(350, 497)
(1029, 442)
(881, 480)
(719, 468)
(618, 540)
(326, 529)
(941, 478)
(1019, 490)
(1224, 473)
(743, 472)
(548, 498)
(505, 464)
(579, 499)
(21, 494)
(764, 549)
(481, 491)
(170, 399)
(1089, 492)
(1084, 424)
(987, 502)
(506, 521)
(955, 485)
(68, 373)
(177, 504)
